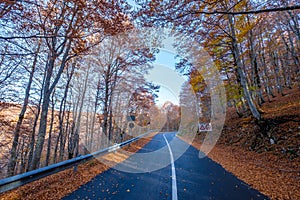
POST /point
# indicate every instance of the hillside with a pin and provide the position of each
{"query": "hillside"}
(266, 155)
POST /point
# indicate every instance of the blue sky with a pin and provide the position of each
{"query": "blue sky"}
(164, 74)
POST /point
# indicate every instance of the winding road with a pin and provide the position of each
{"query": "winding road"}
(166, 168)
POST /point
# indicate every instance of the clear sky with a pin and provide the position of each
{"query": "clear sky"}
(164, 74)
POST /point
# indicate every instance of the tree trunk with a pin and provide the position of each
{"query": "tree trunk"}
(73, 128)
(287, 69)
(276, 73)
(13, 152)
(48, 88)
(61, 116)
(74, 139)
(32, 139)
(65, 136)
(78, 123)
(240, 72)
(91, 145)
(255, 70)
(87, 131)
(23, 157)
(296, 60)
(50, 131)
(106, 102)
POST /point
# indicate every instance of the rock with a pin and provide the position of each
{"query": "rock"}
(272, 141)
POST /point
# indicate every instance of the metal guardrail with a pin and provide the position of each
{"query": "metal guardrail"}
(21, 179)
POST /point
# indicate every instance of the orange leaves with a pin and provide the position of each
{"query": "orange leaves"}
(80, 46)
(57, 22)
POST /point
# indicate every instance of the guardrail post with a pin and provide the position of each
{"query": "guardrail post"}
(75, 168)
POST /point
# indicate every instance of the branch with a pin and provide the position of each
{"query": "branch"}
(36, 36)
(296, 7)
(17, 54)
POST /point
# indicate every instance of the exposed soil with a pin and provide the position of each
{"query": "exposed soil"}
(9, 114)
(60, 184)
(266, 154)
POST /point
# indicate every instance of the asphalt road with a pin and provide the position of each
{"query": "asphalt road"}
(188, 177)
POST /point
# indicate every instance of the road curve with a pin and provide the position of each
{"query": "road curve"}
(194, 178)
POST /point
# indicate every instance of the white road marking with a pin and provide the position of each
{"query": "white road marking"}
(174, 184)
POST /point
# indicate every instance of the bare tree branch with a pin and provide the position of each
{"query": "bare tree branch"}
(295, 7)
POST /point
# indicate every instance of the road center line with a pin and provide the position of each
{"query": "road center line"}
(174, 184)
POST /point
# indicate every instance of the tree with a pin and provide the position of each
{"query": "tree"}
(64, 31)
(142, 99)
(185, 17)
(117, 58)
(64, 21)
(173, 116)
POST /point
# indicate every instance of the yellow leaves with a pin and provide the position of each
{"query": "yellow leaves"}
(218, 64)
(243, 25)
(234, 92)
(241, 5)
(197, 81)
(243, 29)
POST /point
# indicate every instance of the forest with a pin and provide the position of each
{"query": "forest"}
(72, 72)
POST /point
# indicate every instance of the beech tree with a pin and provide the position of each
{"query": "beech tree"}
(13, 156)
(117, 58)
(66, 29)
(65, 21)
(227, 25)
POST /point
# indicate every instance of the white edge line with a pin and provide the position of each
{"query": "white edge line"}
(174, 184)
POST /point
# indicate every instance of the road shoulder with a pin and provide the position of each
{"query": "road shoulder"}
(58, 185)
(253, 168)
